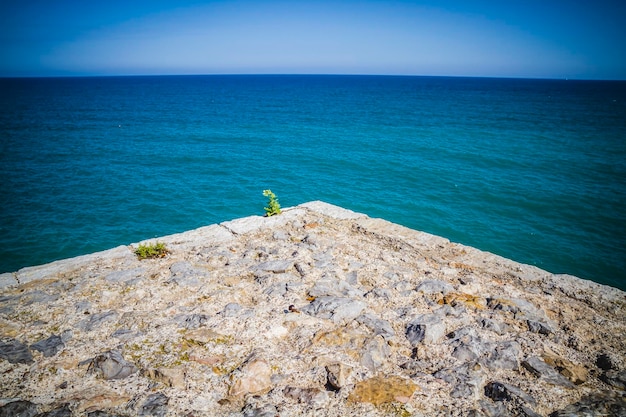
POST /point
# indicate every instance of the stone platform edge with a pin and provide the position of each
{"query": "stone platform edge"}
(225, 231)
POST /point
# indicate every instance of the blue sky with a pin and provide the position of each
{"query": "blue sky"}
(501, 38)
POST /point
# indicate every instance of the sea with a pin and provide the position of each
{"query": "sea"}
(530, 169)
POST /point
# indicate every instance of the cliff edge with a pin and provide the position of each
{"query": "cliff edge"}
(318, 311)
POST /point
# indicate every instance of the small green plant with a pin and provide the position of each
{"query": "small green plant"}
(272, 205)
(153, 250)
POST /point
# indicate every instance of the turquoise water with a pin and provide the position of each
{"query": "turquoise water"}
(533, 170)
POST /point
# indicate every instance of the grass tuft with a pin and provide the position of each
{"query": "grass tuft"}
(153, 250)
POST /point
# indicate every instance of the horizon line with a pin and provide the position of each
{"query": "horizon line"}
(286, 74)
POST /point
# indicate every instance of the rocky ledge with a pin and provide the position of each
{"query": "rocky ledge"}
(318, 311)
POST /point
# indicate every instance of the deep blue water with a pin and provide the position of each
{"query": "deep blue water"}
(533, 170)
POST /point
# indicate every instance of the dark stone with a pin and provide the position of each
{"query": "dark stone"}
(19, 409)
(605, 362)
(15, 351)
(427, 328)
(155, 405)
(595, 405)
(50, 346)
(499, 391)
(57, 412)
(415, 332)
(496, 391)
(527, 412)
(100, 413)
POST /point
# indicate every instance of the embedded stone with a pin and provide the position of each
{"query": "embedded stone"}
(96, 320)
(345, 337)
(15, 351)
(433, 286)
(204, 336)
(469, 300)
(111, 365)
(171, 377)
(155, 405)
(600, 404)
(337, 309)
(375, 353)
(575, 373)
(267, 410)
(255, 378)
(428, 328)
(186, 275)
(542, 370)
(50, 346)
(334, 287)
(124, 276)
(231, 310)
(191, 321)
(605, 362)
(505, 355)
(496, 391)
(338, 374)
(19, 408)
(314, 397)
(278, 266)
(465, 380)
(379, 390)
(539, 327)
(63, 411)
(377, 325)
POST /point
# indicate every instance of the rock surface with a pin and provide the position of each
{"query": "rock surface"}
(319, 311)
